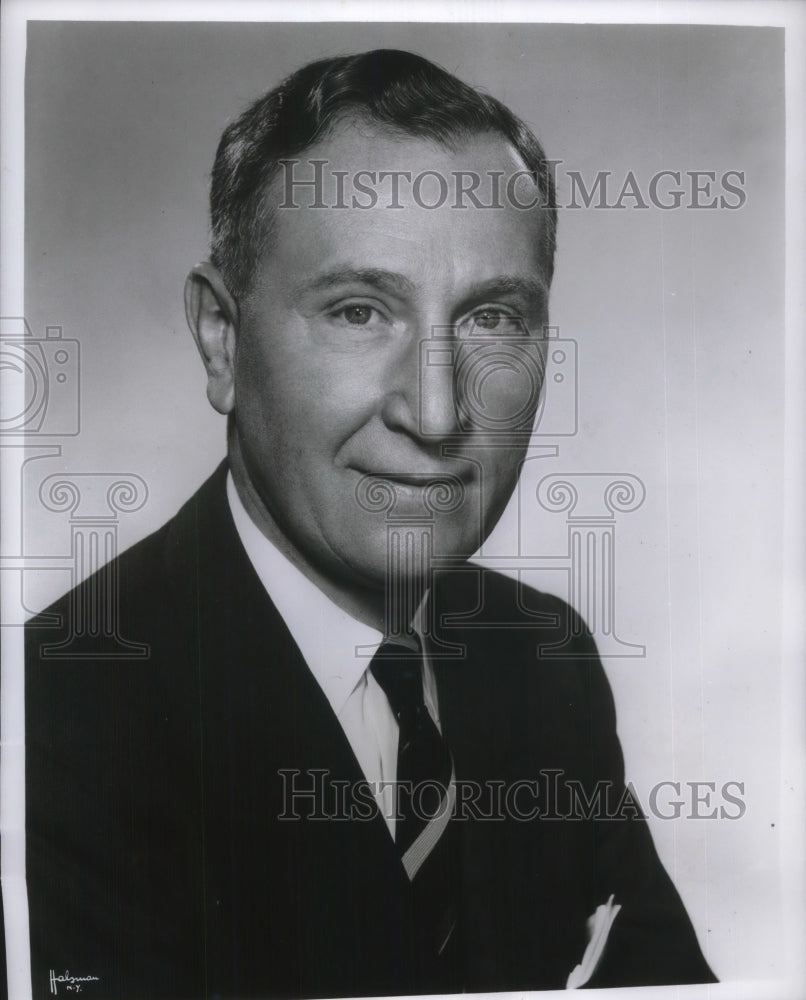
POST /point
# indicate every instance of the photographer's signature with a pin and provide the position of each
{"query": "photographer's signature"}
(71, 983)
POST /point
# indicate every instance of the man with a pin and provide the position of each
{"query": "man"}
(351, 764)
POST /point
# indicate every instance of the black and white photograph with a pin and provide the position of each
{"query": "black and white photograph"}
(402, 450)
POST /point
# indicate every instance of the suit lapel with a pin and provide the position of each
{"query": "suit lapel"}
(289, 856)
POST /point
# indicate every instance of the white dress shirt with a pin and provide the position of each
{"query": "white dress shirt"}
(337, 649)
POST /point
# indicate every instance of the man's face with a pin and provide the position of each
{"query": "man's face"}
(335, 377)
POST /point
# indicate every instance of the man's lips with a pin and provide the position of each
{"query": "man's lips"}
(417, 479)
(412, 478)
(436, 492)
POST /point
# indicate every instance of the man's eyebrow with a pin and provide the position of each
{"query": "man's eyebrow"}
(385, 281)
(532, 290)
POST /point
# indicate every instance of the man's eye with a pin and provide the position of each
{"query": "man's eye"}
(497, 320)
(488, 319)
(355, 315)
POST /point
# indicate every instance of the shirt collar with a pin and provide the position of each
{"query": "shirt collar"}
(336, 647)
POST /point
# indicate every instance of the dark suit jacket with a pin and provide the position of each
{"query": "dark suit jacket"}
(155, 856)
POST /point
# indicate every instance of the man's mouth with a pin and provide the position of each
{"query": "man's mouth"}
(421, 479)
(437, 492)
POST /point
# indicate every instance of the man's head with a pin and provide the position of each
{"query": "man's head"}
(397, 91)
(375, 341)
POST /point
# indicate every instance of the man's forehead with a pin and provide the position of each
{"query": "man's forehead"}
(364, 164)
(366, 197)
(376, 142)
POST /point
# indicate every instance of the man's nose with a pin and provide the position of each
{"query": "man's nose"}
(422, 399)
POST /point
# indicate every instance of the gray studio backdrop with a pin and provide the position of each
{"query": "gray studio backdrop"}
(676, 316)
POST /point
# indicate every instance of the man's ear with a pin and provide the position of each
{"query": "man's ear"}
(212, 315)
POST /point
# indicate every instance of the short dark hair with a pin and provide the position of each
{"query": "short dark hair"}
(399, 90)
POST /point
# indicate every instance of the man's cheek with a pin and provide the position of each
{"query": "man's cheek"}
(497, 482)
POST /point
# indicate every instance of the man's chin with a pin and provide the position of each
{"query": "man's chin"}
(407, 553)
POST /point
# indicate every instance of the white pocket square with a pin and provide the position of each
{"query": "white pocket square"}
(598, 929)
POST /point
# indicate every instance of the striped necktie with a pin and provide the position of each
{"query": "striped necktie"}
(425, 792)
